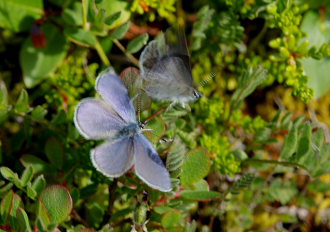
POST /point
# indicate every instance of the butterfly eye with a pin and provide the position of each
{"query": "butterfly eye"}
(197, 94)
(142, 125)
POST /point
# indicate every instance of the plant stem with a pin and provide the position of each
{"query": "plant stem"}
(276, 162)
(84, 18)
(112, 190)
(102, 54)
(129, 56)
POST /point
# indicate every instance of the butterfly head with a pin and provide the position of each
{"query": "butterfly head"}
(197, 94)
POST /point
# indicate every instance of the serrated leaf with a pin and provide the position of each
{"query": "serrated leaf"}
(27, 176)
(318, 139)
(247, 83)
(54, 151)
(204, 16)
(81, 36)
(199, 195)
(22, 104)
(112, 18)
(290, 144)
(18, 15)
(196, 166)
(175, 157)
(22, 223)
(304, 141)
(57, 202)
(39, 113)
(38, 63)
(120, 31)
(136, 44)
(282, 192)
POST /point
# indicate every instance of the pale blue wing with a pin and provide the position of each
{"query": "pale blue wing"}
(113, 90)
(95, 119)
(113, 158)
(148, 166)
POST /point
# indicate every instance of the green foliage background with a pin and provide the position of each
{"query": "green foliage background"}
(252, 155)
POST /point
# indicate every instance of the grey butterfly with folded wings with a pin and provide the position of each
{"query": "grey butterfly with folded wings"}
(165, 65)
(113, 119)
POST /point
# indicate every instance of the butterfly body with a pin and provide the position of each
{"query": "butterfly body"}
(113, 119)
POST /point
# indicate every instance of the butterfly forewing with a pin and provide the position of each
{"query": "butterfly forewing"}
(95, 119)
(113, 90)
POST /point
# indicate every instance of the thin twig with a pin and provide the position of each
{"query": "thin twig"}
(112, 190)
(129, 56)
(76, 216)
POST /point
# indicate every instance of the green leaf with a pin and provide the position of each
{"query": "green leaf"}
(136, 44)
(57, 202)
(43, 216)
(39, 184)
(282, 192)
(318, 186)
(318, 139)
(39, 113)
(9, 204)
(244, 182)
(318, 79)
(8, 174)
(290, 144)
(5, 189)
(22, 223)
(80, 36)
(38, 63)
(113, 6)
(112, 18)
(157, 125)
(31, 192)
(22, 104)
(304, 141)
(175, 157)
(281, 5)
(18, 15)
(73, 16)
(247, 83)
(27, 176)
(120, 31)
(199, 195)
(54, 151)
(196, 166)
(3, 101)
(38, 165)
(204, 16)
(172, 219)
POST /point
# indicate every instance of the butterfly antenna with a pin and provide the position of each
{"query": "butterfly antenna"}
(139, 107)
(207, 79)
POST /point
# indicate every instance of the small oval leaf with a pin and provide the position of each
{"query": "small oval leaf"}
(196, 167)
(57, 201)
(136, 44)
